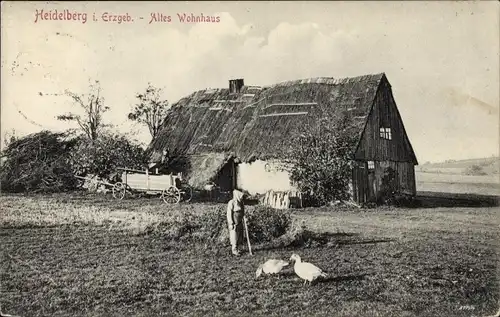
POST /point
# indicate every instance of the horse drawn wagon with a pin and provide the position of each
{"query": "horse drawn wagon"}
(171, 188)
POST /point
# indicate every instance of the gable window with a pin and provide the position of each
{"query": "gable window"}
(371, 165)
(385, 133)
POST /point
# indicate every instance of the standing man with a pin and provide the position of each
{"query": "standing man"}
(235, 214)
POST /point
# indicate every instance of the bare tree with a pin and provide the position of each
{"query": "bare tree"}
(151, 110)
(93, 105)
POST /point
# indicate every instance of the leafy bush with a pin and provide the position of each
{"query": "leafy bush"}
(266, 224)
(320, 159)
(102, 156)
(47, 161)
(38, 163)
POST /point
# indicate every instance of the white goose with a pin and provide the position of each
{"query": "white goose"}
(271, 267)
(306, 271)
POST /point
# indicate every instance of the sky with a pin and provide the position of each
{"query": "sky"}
(441, 58)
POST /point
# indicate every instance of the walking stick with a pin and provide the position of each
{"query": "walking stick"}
(248, 238)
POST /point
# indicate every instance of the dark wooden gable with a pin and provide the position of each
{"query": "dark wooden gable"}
(384, 114)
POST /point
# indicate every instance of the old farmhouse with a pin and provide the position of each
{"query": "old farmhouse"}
(232, 136)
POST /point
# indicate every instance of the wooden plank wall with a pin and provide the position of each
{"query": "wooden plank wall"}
(384, 113)
(405, 175)
(396, 153)
(405, 172)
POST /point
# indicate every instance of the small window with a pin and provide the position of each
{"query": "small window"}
(388, 134)
(382, 132)
(385, 133)
(371, 165)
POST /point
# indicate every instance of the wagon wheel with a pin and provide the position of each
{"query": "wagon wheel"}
(119, 190)
(187, 193)
(171, 195)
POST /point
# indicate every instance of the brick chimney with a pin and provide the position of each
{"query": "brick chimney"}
(235, 85)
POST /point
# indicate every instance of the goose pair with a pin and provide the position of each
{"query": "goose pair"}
(306, 271)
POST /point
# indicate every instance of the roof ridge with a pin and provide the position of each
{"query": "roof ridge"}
(328, 80)
(311, 80)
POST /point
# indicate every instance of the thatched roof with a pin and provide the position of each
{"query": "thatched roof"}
(205, 167)
(255, 122)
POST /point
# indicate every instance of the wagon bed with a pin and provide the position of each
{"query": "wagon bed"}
(169, 186)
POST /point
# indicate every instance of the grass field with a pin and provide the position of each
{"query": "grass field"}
(70, 255)
(451, 177)
(457, 183)
(490, 165)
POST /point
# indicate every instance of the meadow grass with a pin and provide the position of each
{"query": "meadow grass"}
(434, 181)
(80, 255)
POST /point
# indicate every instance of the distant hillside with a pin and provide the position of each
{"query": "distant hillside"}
(479, 166)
